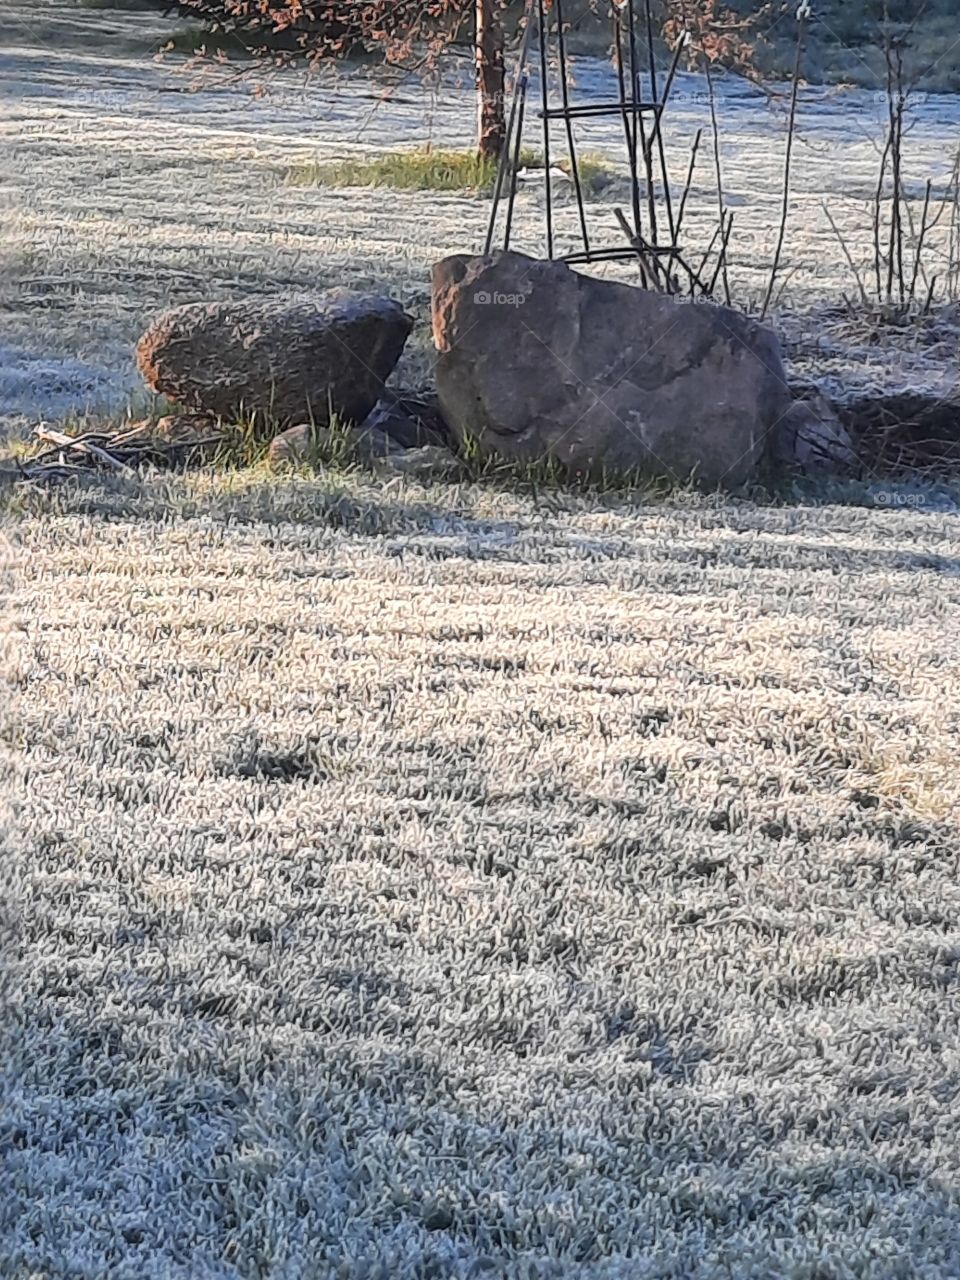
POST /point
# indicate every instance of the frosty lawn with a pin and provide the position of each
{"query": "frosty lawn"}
(408, 882)
(447, 882)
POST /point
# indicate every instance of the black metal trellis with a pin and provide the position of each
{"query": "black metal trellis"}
(651, 233)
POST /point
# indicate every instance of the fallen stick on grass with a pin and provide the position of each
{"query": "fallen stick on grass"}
(49, 436)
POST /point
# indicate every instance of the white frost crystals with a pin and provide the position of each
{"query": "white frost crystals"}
(480, 886)
(43, 386)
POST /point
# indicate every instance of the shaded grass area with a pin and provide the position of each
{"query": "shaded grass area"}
(931, 57)
(336, 463)
(906, 469)
(842, 45)
(124, 6)
(339, 486)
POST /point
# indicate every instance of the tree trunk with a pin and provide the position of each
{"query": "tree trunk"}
(491, 122)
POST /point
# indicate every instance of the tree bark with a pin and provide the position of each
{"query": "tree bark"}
(491, 121)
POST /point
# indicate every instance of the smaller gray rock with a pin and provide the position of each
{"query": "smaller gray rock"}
(810, 438)
(369, 444)
(310, 445)
(411, 421)
(319, 356)
(297, 446)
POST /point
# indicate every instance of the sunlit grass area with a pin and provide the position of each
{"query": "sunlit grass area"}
(426, 169)
(422, 169)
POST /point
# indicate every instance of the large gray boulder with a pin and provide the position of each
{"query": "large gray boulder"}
(284, 359)
(538, 362)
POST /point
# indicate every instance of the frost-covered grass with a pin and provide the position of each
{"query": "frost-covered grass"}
(439, 880)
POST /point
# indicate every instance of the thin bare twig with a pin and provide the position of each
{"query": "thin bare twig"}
(719, 172)
(689, 182)
(791, 133)
(846, 253)
(647, 273)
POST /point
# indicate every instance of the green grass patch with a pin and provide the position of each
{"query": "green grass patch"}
(428, 169)
(425, 169)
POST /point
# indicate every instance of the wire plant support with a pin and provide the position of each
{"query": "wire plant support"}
(650, 231)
